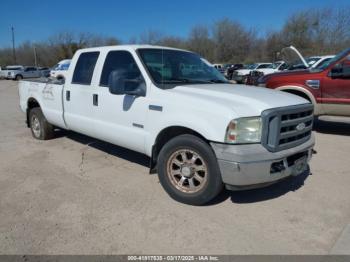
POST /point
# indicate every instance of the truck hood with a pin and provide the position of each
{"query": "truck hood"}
(292, 56)
(243, 100)
(292, 73)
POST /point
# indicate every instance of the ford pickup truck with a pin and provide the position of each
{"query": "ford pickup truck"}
(200, 131)
(23, 72)
(326, 86)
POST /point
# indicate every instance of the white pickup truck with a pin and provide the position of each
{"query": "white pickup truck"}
(200, 131)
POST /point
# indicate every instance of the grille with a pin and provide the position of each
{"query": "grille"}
(287, 127)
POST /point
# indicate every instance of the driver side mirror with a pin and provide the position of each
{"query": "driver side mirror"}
(121, 82)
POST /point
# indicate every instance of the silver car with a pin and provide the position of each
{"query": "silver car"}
(19, 73)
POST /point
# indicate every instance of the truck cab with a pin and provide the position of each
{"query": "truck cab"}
(326, 86)
(200, 132)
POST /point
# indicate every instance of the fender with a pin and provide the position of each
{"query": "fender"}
(201, 128)
(317, 110)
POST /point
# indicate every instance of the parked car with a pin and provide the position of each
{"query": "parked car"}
(240, 76)
(295, 62)
(273, 68)
(221, 67)
(59, 71)
(5, 71)
(45, 71)
(18, 73)
(316, 61)
(254, 75)
(311, 62)
(327, 86)
(200, 131)
(230, 70)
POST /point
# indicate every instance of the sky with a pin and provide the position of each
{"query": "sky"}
(36, 20)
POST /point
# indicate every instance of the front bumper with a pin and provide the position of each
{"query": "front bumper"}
(251, 166)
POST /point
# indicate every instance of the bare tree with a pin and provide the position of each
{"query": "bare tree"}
(200, 42)
(150, 37)
(232, 41)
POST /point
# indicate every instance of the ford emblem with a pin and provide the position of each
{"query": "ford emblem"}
(300, 127)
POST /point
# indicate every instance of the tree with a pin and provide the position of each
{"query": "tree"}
(232, 41)
(200, 42)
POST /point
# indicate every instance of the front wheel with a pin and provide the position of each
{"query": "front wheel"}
(188, 170)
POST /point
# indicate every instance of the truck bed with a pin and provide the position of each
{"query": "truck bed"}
(48, 94)
(44, 80)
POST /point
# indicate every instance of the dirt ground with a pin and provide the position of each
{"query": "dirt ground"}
(76, 195)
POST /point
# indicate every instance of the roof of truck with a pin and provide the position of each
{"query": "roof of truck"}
(125, 47)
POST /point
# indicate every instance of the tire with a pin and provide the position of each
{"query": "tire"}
(18, 77)
(41, 129)
(188, 170)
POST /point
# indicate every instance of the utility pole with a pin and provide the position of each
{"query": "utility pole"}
(35, 58)
(13, 45)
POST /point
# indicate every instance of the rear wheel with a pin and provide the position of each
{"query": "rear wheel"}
(188, 170)
(41, 129)
(19, 77)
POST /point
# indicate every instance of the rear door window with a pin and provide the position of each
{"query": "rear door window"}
(84, 68)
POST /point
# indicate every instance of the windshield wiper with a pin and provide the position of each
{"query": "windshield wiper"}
(193, 81)
(218, 81)
(184, 80)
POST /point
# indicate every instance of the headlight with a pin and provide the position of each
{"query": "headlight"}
(244, 130)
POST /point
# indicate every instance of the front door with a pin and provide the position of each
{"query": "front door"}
(336, 93)
(120, 119)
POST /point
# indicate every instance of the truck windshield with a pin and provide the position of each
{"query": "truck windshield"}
(333, 60)
(251, 67)
(169, 67)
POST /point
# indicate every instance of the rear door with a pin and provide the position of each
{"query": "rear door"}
(36, 72)
(27, 72)
(78, 95)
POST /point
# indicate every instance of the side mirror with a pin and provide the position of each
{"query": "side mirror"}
(121, 82)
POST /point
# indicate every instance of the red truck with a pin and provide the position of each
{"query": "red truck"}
(327, 87)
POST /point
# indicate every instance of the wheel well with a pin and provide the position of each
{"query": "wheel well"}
(166, 135)
(298, 93)
(32, 103)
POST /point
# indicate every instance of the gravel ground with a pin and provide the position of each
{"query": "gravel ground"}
(76, 195)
